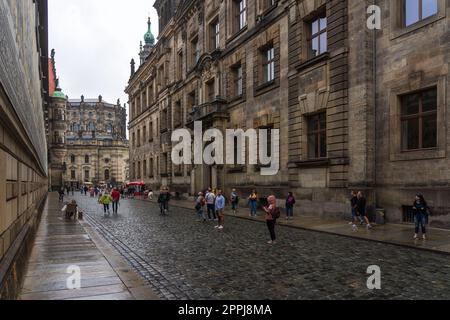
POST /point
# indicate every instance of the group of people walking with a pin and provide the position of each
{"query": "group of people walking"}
(110, 198)
(210, 205)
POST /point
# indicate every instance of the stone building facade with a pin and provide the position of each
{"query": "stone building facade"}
(23, 151)
(87, 140)
(357, 108)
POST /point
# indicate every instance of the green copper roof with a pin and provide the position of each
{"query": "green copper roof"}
(148, 37)
(58, 94)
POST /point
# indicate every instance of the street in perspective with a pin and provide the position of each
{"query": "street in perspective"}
(239, 151)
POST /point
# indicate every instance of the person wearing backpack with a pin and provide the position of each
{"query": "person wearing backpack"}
(290, 202)
(199, 205)
(234, 198)
(272, 214)
(106, 200)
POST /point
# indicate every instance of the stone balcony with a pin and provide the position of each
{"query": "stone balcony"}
(210, 111)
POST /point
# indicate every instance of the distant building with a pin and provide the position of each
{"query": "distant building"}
(23, 151)
(87, 140)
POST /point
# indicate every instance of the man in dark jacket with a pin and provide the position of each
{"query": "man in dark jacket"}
(163, 200)
(361, 208)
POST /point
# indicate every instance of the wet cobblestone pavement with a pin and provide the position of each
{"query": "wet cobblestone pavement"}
(185, 259)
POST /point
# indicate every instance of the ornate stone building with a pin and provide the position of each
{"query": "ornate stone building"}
(87, 140)
(23, 151)
(357, 108)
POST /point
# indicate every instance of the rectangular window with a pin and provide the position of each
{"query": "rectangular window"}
(180, 66)
(133, 141)
(138, 138)
(210, 90)
(419, 120)
(195, 51)
(215, 35)
(269, 64)
(139, 170)
(72, 175)
(238, 80)
(150, 133)
(417, 10)
(177, 114)
(317, 136)
(151, 173)
(145, 135)
(145, 168)
(240, 8)
(86, 175)
(318, 42)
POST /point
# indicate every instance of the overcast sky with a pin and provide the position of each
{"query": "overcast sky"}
(94, 42)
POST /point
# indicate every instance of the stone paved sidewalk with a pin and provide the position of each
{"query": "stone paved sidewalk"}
(397, 234)
(60, 244)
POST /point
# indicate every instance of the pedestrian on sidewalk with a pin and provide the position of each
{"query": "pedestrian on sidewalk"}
(106, 200)
(163, 200)
(253, 203)
(234, 198)
(420, 208)
(115, 194)
(354, 208)
(361, 209)
(272, 214)
(290, 202)
(220, 207)
(199, 205)
(61, 194)
(210, 207)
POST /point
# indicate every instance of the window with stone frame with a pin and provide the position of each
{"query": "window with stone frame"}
(164, 120)
(144, 133)
(86, 175)
(317, 135)
(414, 11)
(72, 174)
(240, 15)
(237, 80)
(145, 168)
(195, 51)
(180, 65)
(150, 95)
(139, 138)
(150, 132)
(177, 114)
(133, 140)
(72, 159)
(419, 120)
(268, 63)
(152, 168)
(86, 159)
(107, 175)
(214, 35)
(317, 35)
(139, 170)
(210, 90)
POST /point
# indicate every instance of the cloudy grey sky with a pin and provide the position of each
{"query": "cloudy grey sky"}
(95, 41)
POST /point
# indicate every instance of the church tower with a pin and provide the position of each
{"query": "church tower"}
(57, 128)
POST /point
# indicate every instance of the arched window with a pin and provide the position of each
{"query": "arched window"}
(109, 128)
(106, 175)
(86, 159)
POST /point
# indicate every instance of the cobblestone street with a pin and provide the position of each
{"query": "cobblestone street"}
(185, 259)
